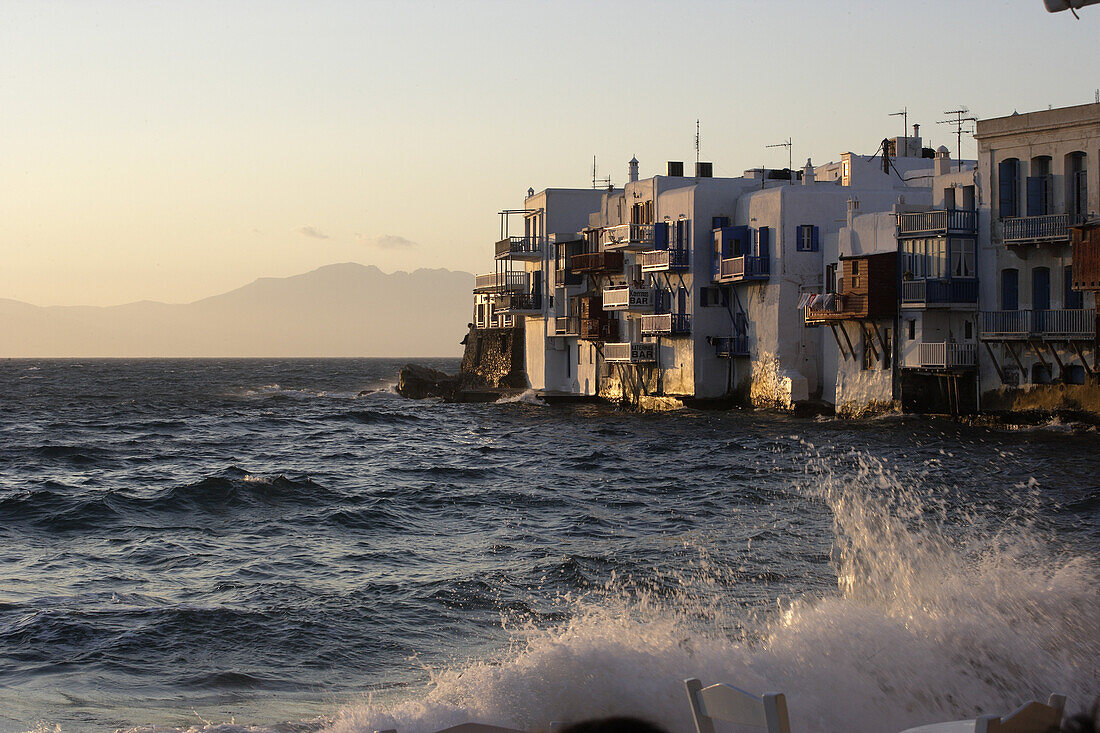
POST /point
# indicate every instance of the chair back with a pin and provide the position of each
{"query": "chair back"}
(733, 705)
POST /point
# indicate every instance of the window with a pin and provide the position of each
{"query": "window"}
(1076, 190)
(888, 347)
(1010, 289)
(807, 238)
(962, 258)
(1008, 188)
(1040, 187)
(911, 324)
(1073, 299)
(968, 331)
(855, 282)
(830, 278)
(868, 354)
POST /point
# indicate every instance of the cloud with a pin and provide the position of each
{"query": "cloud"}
(313, 232)
(386, 241)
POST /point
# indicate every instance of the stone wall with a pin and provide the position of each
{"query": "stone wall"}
(494, 358)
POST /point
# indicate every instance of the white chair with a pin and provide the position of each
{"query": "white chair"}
(727, 703)
(1031, 717)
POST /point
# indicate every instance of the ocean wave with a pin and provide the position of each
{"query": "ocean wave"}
(374, 417)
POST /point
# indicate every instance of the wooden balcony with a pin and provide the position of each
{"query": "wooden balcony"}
(664, 260)
(741, 269)
(1086, 257)
(567, 326)
(630, 353)
(939, 292)
(1050, 228)
(598, 263)
(665, 324)
(1050, 325)
(598, 329)
(938, 223)
(868, 291)
(519, 248)
(627, 237)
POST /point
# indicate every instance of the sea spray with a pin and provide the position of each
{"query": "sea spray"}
(921, 628)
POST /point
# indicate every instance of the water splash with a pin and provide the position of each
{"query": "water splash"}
(527, 397)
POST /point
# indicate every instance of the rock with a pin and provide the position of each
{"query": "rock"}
(418, 382)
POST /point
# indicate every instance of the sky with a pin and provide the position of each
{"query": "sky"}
(174, 150)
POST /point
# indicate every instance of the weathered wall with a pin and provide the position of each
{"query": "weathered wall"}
(494, 358)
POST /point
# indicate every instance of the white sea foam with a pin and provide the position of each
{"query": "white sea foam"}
(929, 622)
(528, 397)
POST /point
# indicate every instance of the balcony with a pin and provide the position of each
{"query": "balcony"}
(630, 353)
(627, 237)
(727, 347)
(500, 282)
(1051, 325)
(1035, 229)
(939, 292)
(944, 355)
(847, 307)
(519, 248)
(742, 269)
(664, 260)
(520, 304)
(629, 298)
(938, 223)
(598, 263)
(567, 326)
(1086, 257)
(665, 324)
(598, 329)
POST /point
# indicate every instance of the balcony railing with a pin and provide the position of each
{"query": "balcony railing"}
(939, 291)
(665, 323)
(944, 221)
(495, 282)
(727, 347)
(598, 263)
(630, 353)
(598, 329)
(520, 303)
(664, 260)
(944, 355)
(629, 237)
(1075, 324)
(1047, 228)
(745, 267)
(567, 325)
(519, 248)
(629, 298)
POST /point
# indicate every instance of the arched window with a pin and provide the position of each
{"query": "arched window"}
(1008, 188)
(1077, 196)
(1010, 289)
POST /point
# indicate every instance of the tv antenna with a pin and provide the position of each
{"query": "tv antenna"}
(696, 144)
(904, 114)
(958, 123)
(599, 182)
(790, 157)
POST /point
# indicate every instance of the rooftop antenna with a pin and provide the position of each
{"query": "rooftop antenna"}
(790, 157)
(599, 182)
(904, 114)
(696, 144)
(958, 123)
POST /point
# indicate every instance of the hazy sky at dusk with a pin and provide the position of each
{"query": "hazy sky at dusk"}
(171, 151)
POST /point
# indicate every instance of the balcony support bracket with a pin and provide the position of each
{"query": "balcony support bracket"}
(868, 338)
(1054, 353)
(996, 362)
(1016, 358)
(843, 351)
(1081, 358)
(844, 331)
(1039, 355)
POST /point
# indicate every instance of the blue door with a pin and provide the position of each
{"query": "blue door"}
(1010, 290)
(1074, 299)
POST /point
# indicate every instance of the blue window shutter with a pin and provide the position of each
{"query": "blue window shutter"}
(1006, 188)
(743, 238)
(798, 237)
(1040, 288)
(660, 235)
(717, 222)
(814, 242)
(1034, 195)
(1074, 299)
(763, 242)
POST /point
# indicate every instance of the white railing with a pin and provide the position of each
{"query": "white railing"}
(627, 236)
(665, 323)
(663, 259)
(630, 353)
(942, 220)
(500, 281)
(1031, 228)
(1006, 323)
(1080, 323)
(944, 355)
(628, 297)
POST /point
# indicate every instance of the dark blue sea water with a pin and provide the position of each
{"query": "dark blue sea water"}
(287, 544)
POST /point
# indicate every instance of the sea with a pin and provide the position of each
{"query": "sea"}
(288, 545)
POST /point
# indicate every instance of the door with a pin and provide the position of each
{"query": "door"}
(1040, 289)
(1074, 299)
(1010, 287)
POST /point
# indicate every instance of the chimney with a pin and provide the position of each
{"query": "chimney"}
(632, 170)
(808, 173)
(943, 161)
(676, 169)
(916, 130)
(704, 170)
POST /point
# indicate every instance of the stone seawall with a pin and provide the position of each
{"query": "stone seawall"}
(494, 358)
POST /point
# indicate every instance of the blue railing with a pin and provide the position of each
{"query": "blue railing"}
(939, 290)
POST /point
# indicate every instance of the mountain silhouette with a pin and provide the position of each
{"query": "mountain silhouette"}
(345, 309)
